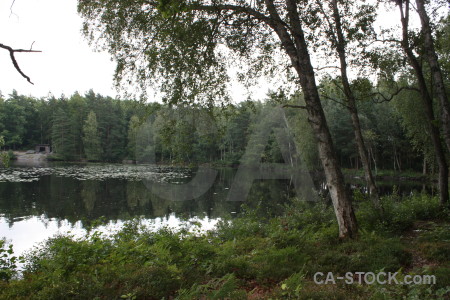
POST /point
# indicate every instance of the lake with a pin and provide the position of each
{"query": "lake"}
(37, 202)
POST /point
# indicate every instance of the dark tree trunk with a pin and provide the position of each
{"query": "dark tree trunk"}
(297, 50)
(436, 72)
(351, 106)
(428, 108)
(424, 169)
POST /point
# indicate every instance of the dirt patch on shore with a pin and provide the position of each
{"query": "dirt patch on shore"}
(30, 158)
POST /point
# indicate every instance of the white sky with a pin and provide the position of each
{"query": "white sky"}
(67, 64)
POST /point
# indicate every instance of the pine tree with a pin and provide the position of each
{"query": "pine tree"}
(133, 127)
(91, 139)
(62, 136)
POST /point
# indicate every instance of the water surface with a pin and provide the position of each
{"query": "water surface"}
(37, 202)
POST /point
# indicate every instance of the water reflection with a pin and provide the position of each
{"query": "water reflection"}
(33, 230)
(114, 199)
(400, 187)
(80, 199)
(69, 198)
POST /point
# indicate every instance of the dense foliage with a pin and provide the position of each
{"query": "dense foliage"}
(99, 128)
(250, 257)
(183, 49)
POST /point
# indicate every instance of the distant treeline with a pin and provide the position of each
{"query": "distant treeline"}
(98, 128)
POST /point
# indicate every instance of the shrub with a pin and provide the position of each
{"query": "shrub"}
(292, 286)
(277, 257)
(435, 243)
(399, 213)
(8, 262)
(225, 287)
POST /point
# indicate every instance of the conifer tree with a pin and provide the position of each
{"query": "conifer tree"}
(62, 135)
(91, 139)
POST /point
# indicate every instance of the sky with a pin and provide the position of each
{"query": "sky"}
(67, 63)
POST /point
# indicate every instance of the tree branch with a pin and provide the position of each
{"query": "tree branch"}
(388, 40)
(11, 9)
(14, 61)
(235, 8)
(294, 106)
(248, 10)
(335, 100)
(330, 26)
(281, 29)
(390, 97)
(326, 67)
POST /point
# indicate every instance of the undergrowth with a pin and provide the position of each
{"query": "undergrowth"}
(247, 257)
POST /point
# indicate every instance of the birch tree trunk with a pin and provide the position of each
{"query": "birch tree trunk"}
(351, 105)
(428, 107)
(297, 50)
(436, 71)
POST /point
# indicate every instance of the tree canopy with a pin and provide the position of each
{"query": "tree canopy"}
(186, 49)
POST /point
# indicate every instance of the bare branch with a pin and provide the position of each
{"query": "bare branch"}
(12, 4)
(11, 9)
(391, 96)
(14, 61)
(326, 67)
(389, 40)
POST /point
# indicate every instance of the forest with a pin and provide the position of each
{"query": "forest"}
(97, 128)
(353, 95)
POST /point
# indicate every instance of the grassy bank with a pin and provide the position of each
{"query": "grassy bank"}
(248, 258)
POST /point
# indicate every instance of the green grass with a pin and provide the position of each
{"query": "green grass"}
(248, 257)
